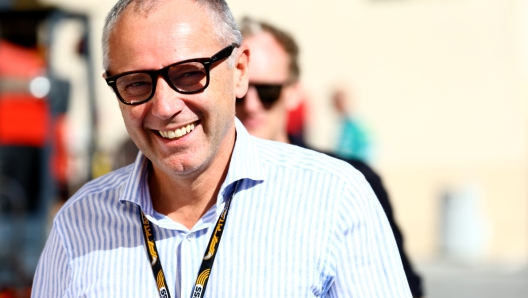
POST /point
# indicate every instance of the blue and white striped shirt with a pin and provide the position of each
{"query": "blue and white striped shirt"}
(301, 224)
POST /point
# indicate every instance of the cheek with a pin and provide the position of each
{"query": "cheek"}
(132, 115)
(224, 96)
(277, 114)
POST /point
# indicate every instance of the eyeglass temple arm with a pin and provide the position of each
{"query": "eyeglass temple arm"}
(224, 53)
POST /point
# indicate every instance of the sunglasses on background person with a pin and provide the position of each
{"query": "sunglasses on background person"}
(186, 77)
(267, 93)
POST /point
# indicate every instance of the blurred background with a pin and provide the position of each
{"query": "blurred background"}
(438, 87)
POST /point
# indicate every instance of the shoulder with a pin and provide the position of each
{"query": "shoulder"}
(359, 165)
(373, 179)
(109, 186)
(276, 154)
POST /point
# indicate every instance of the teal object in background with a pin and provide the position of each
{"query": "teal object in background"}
(353, 140)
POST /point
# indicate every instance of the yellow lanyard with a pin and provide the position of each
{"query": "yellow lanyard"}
(208, 259)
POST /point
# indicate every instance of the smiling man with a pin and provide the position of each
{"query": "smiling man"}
(275, 220)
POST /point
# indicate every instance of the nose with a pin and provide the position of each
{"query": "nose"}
(166, 102)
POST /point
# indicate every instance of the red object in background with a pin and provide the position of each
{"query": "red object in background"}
(24, 119)
(19, 62)
(8, 293)
(59, 162)
(296, 119)
(15, 293)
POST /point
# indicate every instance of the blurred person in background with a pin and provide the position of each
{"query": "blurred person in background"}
(301, 224)
(353, 139)
(274, 90)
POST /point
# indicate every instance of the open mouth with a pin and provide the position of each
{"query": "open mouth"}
(178, 132)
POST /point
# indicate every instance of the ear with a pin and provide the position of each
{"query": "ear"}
(241, 73)
(296, 95)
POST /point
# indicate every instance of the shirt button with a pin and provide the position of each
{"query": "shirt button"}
(190, 236)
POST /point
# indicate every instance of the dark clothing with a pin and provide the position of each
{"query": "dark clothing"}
(22, 165)
(375, 182)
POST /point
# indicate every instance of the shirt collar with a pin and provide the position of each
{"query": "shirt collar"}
(245, 160)
(245, 164)
(136, 188)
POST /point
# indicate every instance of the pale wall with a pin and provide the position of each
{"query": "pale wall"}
(441, 83)
(443, 87)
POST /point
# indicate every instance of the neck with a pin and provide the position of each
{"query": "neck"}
(186, 199)
(282, 136)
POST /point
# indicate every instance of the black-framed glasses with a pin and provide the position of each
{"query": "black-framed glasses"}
(186, 77)
(267, 93)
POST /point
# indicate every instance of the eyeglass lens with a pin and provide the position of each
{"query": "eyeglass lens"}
(186, 77)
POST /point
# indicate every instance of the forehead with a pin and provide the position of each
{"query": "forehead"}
(171, 31)
(269, 62)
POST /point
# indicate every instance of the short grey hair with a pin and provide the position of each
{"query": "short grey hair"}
(225, 27)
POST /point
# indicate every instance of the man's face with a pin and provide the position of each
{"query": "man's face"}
(172, 32)
(268, 65)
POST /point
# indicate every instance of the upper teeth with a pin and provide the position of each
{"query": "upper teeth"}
(178, 132)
